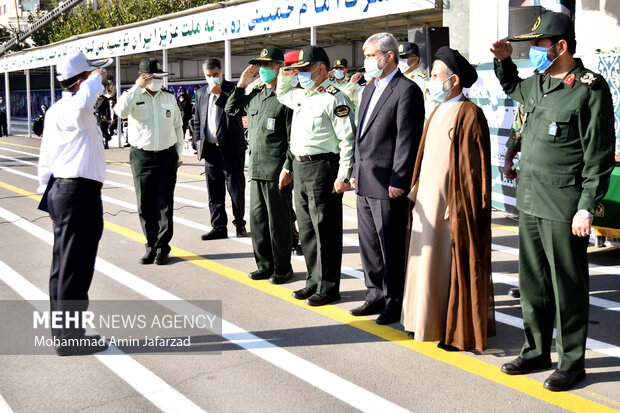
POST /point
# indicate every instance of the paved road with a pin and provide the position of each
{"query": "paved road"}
(277, 354)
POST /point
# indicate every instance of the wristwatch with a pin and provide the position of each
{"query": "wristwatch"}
(585, 214)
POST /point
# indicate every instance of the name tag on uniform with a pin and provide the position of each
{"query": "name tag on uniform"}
(271, 124)
(553, 129)
(140, 103)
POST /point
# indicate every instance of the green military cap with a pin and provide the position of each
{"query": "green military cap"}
(340, 63)
(269, 54)
(309, 55)
(547, 25)
(407, 48)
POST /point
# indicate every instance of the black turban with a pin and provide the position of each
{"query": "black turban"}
(458, 64)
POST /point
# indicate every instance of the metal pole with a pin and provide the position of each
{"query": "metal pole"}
(52, 90)
(165, 64)
(7, 99)
(313, 36)
(28, 103)
(227, 60)
(117, 75)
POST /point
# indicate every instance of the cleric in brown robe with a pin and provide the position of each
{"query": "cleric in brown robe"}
(448, 291)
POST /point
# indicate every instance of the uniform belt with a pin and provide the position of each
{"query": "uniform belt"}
(317, 157)
(146, 150)
(82, 181)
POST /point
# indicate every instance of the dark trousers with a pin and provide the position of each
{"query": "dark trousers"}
(382, 226)
(554, 285)
(225, 172)
(319, 216)
(154, 176)
(270, 219)
(3, 128)
(77, 214)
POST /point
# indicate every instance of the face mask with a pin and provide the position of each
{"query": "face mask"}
(213, 80)
(403, 65)
(305, 79)
(339, 74)
(436, 90)
(294, 81)
(156, 84)
(181, 99)
(372, 67)
(539, 59)
(367, 77)
(266, 74)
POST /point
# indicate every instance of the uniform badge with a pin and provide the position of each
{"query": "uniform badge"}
(332, 90)
(168, 114)
(320, 89)
(600, 211)
(271, 124)
(588, 78)
(301, 56)
(401, 48)
(536, 24)
(264, 53)
(553, 129)
(570, 79)
(342, 111)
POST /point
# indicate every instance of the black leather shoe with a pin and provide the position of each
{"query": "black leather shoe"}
(148, 258)
(388, 316)
(85, 345)
(214, 234)
(241, 232)
(281, 278)
(260, 275)
(297, 250)
(304, 293)
(562, 380)
(442, 345)
(514, 292)
(368, 308)
(522, 366)
(162, 259)
(318, 299)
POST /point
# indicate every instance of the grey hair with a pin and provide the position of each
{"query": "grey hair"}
(385, 42)
(211, 63)
(448, 71)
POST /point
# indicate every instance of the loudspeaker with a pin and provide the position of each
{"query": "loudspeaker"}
(520, 21)
(429, 40)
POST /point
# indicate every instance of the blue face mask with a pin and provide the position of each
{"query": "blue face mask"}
(339, 74)
(539, 58)
(305, 79)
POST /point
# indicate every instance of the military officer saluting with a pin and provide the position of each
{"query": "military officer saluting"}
(269, 124)
(567, 156)
(322, 139)
(350, 87)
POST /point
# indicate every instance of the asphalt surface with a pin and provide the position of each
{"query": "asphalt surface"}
(277, 354)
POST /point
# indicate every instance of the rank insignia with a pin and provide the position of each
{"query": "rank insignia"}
(320, 89)
(600, 211)
(588, 78)
(332, 90)
(168, 114)
(264, 53)
(569, 79)
(342, 111)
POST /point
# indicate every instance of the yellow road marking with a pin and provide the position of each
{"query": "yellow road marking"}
(506, 227)
(17, 144)
(524, 384)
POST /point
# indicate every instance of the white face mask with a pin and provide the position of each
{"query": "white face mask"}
(372, 66)
(294, 81)
(437, 90)
(403, 64)
(213, 80)
(156, 84)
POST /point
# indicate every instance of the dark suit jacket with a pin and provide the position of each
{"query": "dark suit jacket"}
(385, 153)
(230, 128)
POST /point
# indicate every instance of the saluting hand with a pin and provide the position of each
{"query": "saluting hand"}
(143, 80)
(356, 77)
(248, 76)
(501, 49)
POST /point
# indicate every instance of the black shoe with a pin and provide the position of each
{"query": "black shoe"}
(161, 258)
(89, 345)
(411, 334)
(260, 275)
(442, 345)
(514, 292)
(214, 234)
(522, 366)
(304, 293)
(148, 258)
(389, 315)
(241, 232)
(562, 380)
(297, 250)
(281, 278)
(318, 299)
(368, 308)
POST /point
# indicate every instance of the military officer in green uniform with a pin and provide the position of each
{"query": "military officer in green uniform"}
(339, 78)
(567, 155)
(322, 139)
(269, 124)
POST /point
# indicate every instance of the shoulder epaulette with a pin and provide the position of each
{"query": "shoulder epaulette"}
(332, 90)
(588, 78)
(259, 87)
(422, 75)
(167, 91)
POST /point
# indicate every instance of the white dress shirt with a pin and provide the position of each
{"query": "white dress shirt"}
(72, 145)
(380, 85)
(155, 122)
(212, 120)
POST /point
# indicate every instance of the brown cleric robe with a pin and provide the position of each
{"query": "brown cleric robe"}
(469, 317)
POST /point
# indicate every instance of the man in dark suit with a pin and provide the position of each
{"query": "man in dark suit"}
(391, 119)
(220, 142)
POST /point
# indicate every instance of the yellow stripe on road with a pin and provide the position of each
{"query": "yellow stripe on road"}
(17, 144)
(524, 384)
(506, 227)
